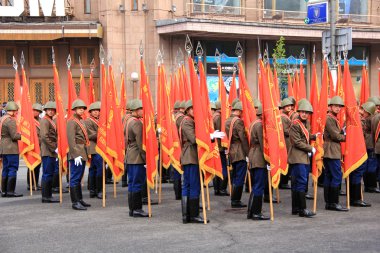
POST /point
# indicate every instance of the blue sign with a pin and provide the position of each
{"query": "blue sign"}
(317, 13)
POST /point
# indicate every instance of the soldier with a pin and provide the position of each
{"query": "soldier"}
(96, 168)
(238, 152)
(220, 186)
(78, 140)
(333, 136)
(286, 105)
(37, 110)
(9, 150)
(257, 167)
(366, 111)
(299, 158)
(128, 113)
(292, 113)
(135, 159)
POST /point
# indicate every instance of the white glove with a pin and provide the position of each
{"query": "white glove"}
(56, 159)
(159, 130)
(226, 151)
(145, 166)
(317, 134)
(217, 134)
(344, 130)
(56, 150)
(313, 151)
(309, 154)
(268, 167)
(247, 159)
(78, 161)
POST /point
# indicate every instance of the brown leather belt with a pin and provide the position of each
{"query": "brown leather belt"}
(80, 142)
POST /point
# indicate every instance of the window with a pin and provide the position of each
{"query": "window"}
(134, 5)
(217, 6)
(289, 8)
(41, 56)
(86, 54)
(87, 6)
(7, 54)
(355, 10)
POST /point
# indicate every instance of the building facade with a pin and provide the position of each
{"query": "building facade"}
(120, 26)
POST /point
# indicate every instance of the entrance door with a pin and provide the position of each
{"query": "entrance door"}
(41, 90)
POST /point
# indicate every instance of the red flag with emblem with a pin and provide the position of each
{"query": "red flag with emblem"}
(274, 141)
(72, 93)
(91, 91)
(364, 91)
(249, 111)
(83, 93)
(301, 93)
(233, 93)
(290, 86)
(225, 106)
(355, 152)
(123, 95)
(63, 145)
(150, 144)
(186, 85)
(29, 145)
(296, 82)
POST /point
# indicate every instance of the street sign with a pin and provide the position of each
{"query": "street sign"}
(317, 13)
(343, 40)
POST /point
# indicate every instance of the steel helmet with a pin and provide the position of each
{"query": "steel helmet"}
(238, 106)
(182, 104)
(50, 105)
(374, 100)
(37, 107)
(78, 103)
(136, 104)
(129, 103)
(235, 101)
(94, 106)
(292, 99)
(256, 102)
(212, 106)
(259, 110)
(188, 104)
(336, 101)
(286, 102)
(304, 105)
(177, 104)
(11, 106)
(369, 107)
(218, 105)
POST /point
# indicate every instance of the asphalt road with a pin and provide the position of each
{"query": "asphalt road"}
(27, 225)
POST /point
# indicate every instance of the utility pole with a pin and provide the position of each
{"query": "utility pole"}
(333, 40)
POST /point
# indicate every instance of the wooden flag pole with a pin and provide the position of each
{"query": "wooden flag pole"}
(34, 180)
(249, 180)
(348, 192)
(149, 204)
(104, 185)
(361, 191)
(30, 183)
(208, 197)
(315, 195)
(278, 195)
(1, 171)
(114, 189)
(160, 182)
(270, 196)
(69, 177)
(229, 168)
(203, 197)
(60, 181)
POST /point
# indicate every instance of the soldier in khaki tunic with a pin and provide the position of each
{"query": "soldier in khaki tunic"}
(220, 186)
(128, 114)
(333, 136)
(96, 168)
(366, 111)
(257, 167)
(370, 181)
(286, 105)
(9, 151)
(135, 159)
(77, 138)
(37, 110)
(299, 158)
(238, 152)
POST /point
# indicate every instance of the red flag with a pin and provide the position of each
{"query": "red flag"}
(301, 93)
(72, 93)
(63, 146)
(364, 92)
(91, 91)
(249, 111)
(164, 119)
(123, 95)
(290, 86)
(225, 106)
(332, 90)
(233, 93)
(186, 86)
(150, 144)
(29, 145)
(296, 82)
(274, 141)
(355, 153)
(275, 81)
(83, 93)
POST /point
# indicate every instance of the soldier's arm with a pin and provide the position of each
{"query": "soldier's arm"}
(242, 136)
(335, 133)
(15, 136)
(71, 137)
(286, 126)
(260, 135)
(44, 133)
(296, 139)
(91, 131)
(138, 130)
(188, 130)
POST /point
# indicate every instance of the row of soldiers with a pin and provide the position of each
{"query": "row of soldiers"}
(241, 154)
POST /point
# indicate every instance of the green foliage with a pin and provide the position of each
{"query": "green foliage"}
(279, 52)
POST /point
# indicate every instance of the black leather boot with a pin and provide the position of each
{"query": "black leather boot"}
(321, 179)
(303, 212)
(194, 211)
(295, 203)
(334, 200)
(124, 179)
(284, 182)
(4, 182)
(55, 183)
(177, 186)
(372, 183)
(11, 186)
(80, 196)
(74, 194)
(137, 205)
(236, 197)
(250, 206)
(130, 203)
(144, 195)
(223, 187)
(185, 210)
(355, 200)
(99, 187)
(326, 195)
(47, 193)
(109, 179)
(37, 175)
(216, 183)
(257, 208)
(92, 186)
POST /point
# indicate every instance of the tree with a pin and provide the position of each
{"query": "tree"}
(279, 52)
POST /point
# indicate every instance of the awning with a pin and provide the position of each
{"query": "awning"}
(50, 31)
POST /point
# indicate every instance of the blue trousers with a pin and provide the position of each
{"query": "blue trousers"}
(49, 167)
(10, 165)
(371, 162)
(259, 176)
(96, 167)
(300, 174)
(136, 177)
(223, 159)
(238, 173)
(76, 173)
(356, 175)
(333, 172)
(191, 185)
